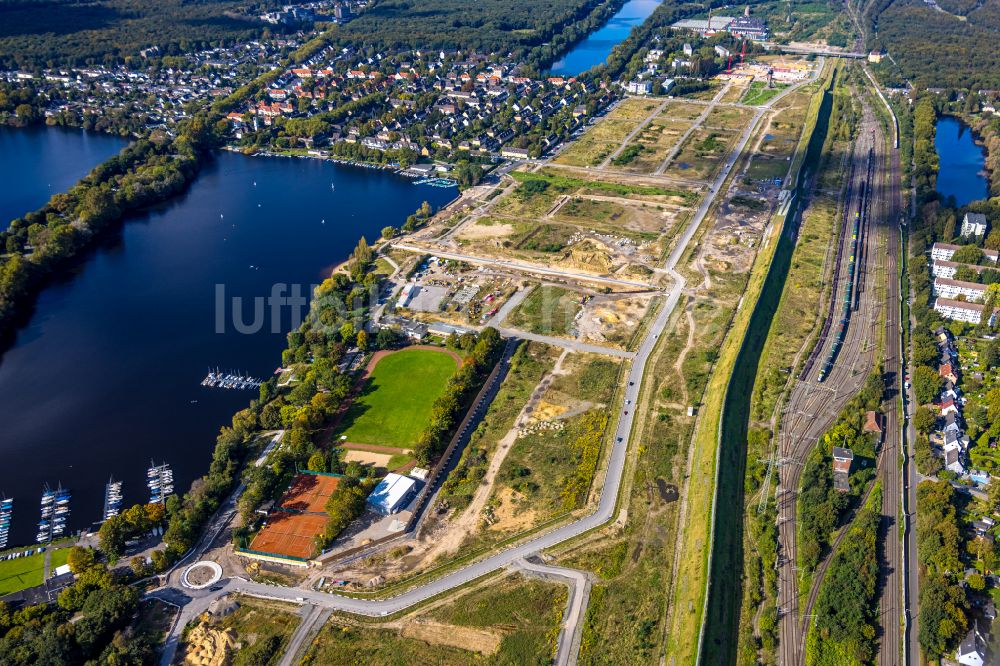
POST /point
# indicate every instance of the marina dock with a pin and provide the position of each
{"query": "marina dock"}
(229, 380)
(160, 480)
(55, 513)
(6, 513)
(112, 498)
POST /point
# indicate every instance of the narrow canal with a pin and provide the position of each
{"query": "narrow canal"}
(106, 374)
(961, 162)
(595, 48)
(725, 589)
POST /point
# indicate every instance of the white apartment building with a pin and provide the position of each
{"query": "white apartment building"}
(945, 288)
(961, 310)
(946, 269)
(974, 224)
(945, 251)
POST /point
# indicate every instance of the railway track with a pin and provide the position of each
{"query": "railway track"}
(891, 607)
(814, 403)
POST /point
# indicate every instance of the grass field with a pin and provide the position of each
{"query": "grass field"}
(530, 363)
(548, 310)
(597, 143)
(25, 572)
(728, 117)
(656, 141)
(521, 615)
(395, 406)
(633, 109)
(758, 93)
(702, 153)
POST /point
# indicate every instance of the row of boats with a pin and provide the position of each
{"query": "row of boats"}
(230, 380)
(160, 480)
(55, 512)
(436, 182)
(6, 511)
(55, 504)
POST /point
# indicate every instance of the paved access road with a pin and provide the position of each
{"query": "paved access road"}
(525, 267)
(568, 645)
(505, 558)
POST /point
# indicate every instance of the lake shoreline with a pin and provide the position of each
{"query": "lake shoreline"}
(959, 151)
(103, 372)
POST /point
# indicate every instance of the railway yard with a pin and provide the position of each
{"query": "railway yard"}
(861, 334)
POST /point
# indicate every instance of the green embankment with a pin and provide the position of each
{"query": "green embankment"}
(719, 639)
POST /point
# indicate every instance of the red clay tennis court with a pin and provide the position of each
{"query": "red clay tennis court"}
(289, 534)
(308, 493)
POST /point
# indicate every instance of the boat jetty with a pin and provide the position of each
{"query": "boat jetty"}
(230, 380)
(6, 513)
(55, 513)
(436, 182)
(112, 498)
(160, 479)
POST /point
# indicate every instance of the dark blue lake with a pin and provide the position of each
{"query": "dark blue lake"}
(59, 158)
(106, 375)
(596, 47)
(961, 162)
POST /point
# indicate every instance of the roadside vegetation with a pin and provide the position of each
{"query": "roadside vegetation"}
(548, 310)
(512, 621)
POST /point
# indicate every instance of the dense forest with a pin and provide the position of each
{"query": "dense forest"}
(966, 52)
(46, 33)
(501, 26)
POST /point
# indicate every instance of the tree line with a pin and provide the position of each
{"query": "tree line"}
(146, 172)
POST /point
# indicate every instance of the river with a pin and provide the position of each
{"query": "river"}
(106, 374)
(961, 162)
(59, 157)
(596, 47)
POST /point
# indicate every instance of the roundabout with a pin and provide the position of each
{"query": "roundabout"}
(201, 574)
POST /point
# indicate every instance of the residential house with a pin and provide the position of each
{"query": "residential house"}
(947, 269)
(953, 459)
(639, 87)
(951, 424)
(948, 406)
(873, 423)
(515, 153)
(949, 372)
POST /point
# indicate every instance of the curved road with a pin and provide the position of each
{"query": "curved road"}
(609, 493)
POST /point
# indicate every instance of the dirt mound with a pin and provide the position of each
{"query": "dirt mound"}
(482, 641)
(209, 647)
